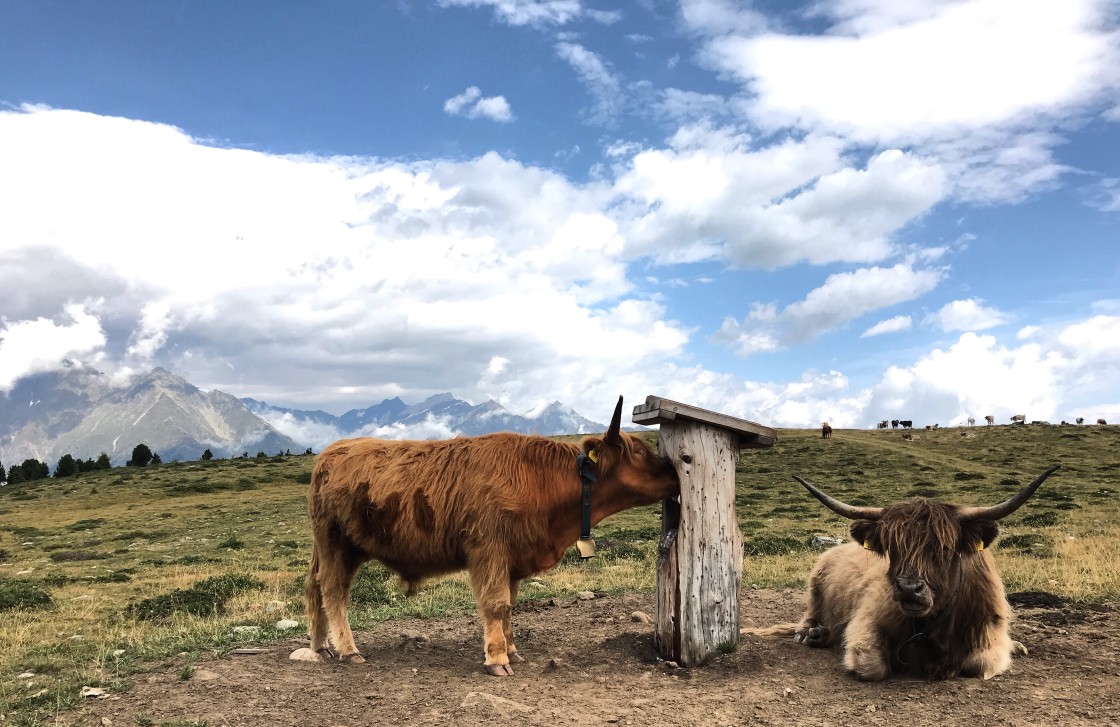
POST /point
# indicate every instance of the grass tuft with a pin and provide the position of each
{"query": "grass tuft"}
(20, 594)
(206, 598)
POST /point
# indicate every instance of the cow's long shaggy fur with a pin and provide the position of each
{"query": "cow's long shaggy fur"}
(501, 506)
(917, 593)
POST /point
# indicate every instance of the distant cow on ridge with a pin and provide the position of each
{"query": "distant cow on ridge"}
(990, 419)
(826, 430)
(1019, 419)
(916, 593)
(500, 506)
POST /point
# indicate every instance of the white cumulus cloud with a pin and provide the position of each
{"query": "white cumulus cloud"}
(966, 315)
(473, 105)
(890, 325)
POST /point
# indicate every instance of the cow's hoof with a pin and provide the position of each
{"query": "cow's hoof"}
(326, 653)
(499, 670)
(817, 637)
(515, 658)
(1017, 649)
(353, 659)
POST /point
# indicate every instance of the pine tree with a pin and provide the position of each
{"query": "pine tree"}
(103, 462)
(207, 455)
(141, 456)
(66, 466)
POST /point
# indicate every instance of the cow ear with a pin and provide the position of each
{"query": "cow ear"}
(866, 533)
(977, 535)
(613, 436)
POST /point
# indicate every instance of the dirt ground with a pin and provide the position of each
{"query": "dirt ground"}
(590, 663)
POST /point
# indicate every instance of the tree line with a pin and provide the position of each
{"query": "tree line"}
(69, 466)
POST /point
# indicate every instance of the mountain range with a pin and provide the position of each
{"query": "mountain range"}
(78, 410)
(441, 413)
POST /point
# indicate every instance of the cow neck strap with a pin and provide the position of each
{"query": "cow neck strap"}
(587, 476)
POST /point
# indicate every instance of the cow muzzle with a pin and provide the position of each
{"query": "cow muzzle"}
(913, 595)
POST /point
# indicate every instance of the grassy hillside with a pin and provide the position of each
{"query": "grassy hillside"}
(104, 574)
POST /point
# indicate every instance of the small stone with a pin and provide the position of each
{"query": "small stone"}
(305, 654)
(286, 624)
(106, 722)
(92, 692)
(246, 630)
(77, 637)
(118, 652)
(586, 595)
(870, 708)
(641, 617)
(26, 675)
(416, 636)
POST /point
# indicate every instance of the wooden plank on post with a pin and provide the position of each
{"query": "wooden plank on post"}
(700, 555)
(658, 410)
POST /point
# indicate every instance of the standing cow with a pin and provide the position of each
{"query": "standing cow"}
(906, 423)
(501, 506)
(990, 419)
(1102, 422)
(882, 424)
(826, 431)
(894, 424)
(1019, 419)
(971, 420)
(916, 593)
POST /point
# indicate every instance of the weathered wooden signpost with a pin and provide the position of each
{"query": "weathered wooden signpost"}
(700, 560)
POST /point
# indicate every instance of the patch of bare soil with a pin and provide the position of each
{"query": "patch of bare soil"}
(589, 663)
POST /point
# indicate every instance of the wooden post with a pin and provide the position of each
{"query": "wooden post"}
(700, 558)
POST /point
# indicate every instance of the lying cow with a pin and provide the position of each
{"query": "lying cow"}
(501, 506)
(916, 593)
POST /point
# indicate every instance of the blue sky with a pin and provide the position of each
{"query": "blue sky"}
(846, 210)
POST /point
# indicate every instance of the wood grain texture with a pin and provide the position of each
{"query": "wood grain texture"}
(700, 571)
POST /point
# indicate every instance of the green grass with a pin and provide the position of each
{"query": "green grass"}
(167, 560)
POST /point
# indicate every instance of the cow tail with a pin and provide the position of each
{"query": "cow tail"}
(312, 589)
(312, 592)
(786, 629)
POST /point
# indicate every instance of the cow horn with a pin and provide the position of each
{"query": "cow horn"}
(612, 436)
(1005, 508)
(841, 508)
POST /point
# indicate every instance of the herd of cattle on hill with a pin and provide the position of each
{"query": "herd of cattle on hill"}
(826, 430)
(916, 592)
